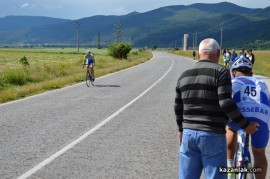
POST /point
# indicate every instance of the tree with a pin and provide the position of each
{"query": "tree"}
(99, 46)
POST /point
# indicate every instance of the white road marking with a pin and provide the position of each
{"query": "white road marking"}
(72, 144)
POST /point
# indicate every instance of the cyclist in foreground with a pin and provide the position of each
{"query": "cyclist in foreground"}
(202, 103)
(90, 62)
(252, 98)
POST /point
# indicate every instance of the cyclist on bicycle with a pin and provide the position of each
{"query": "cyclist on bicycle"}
(90, 62)
(252, 98)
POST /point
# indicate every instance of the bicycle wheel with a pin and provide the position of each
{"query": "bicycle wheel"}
(88, 79)
(242, 156)
(91, 78)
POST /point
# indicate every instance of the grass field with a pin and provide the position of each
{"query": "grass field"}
(261, 65)
(53, 68)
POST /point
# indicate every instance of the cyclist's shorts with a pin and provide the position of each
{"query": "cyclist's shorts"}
(259, 139)
(89, 62)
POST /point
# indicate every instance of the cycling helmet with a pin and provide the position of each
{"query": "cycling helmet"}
(242, 63)
(87, 52)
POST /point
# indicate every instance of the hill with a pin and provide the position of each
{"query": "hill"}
(17, 22)
(163, 26)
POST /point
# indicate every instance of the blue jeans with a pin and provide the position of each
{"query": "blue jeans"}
(202, 150)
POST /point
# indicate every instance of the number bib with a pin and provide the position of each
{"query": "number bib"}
(250, 93)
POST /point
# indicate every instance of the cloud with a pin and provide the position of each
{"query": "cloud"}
(25, 5)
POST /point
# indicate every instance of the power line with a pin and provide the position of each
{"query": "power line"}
(239, 15)
(223, 23)
(221, 35)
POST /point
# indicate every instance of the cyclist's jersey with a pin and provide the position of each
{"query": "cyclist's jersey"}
(89, 58)
(89, 61)
(252, 98)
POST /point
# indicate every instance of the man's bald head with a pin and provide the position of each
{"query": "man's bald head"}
(209, 50)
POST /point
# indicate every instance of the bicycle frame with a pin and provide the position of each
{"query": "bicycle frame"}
(242, 157)
(89, 78)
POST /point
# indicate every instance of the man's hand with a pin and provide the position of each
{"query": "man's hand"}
(252, 127)
(180, 134)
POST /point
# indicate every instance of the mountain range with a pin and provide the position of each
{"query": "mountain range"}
(238, 26)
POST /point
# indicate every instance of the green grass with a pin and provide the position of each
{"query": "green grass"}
(52, 69)
(261, 65)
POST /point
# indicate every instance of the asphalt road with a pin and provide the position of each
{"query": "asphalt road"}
(124, 127)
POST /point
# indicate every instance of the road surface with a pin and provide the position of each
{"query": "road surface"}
(124, 127)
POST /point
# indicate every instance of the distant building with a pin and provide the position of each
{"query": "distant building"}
(185, 42)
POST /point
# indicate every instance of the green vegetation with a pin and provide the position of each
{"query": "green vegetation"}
(53, 68)
(189, 15)
(258, 44)
(119, 50)
(262, 62)
(24, 61)
(261, 65)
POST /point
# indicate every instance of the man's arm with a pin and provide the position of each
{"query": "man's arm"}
(178, 108)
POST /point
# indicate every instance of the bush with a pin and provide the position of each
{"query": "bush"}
(24, 61)
(119, 50)
(154, 47)
(18, 77)
(135, 53)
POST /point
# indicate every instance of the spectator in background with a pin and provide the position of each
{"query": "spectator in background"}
(251, 56)
(233, 57)
(242, 53)
(193, 54)
(223, 54)
(226, 57)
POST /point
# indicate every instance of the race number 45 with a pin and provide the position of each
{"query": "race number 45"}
(250, 90)
(250, 93)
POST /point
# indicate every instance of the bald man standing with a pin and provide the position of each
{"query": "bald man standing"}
(203, 105)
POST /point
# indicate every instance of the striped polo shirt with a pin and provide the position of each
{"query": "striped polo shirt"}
(203, 99)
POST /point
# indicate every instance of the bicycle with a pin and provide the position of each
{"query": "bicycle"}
(242, 157)
(89, 79)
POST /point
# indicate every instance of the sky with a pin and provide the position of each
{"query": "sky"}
(77, 9)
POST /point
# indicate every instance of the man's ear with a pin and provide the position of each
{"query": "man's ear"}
(232, 74)
(218, 53)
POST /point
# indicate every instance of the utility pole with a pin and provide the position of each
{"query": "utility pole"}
(99, 46)
(221, 35)
(193, 41)
(196, 38)
(78, 35)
